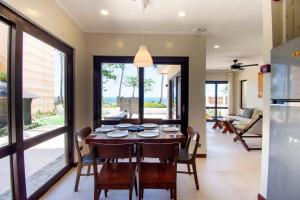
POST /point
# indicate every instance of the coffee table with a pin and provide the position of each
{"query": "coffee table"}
(223, 123)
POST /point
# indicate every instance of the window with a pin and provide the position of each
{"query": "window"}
(43, 161)
(4, 49)
(244, 94)
(36, 108)
(5, 183)
(216, 93)
(43, 87)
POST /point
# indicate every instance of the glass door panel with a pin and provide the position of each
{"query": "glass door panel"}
(120, 91)
(5, 183)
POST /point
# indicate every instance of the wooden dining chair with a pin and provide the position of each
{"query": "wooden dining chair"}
(130, 121)
(114, 175)
(157, 175)
(157, 121)
(83, 159)
(190, 159)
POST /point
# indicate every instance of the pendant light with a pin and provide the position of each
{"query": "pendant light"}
(143, 58)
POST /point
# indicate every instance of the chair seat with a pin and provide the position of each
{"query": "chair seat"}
(116, 175)
(88, 159)
(184, 156)
(157, 174)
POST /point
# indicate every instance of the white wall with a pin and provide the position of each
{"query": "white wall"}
(267, 46)
(47, 14)
(215, 75)
(251, 75)
(192, 46)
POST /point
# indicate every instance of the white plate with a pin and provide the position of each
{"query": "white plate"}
(149, 125)
(171, 129)
(148, 134)
(123, 125)
(104, 129)
(117, 134)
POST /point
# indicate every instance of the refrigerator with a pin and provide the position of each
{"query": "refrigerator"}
(284, 154)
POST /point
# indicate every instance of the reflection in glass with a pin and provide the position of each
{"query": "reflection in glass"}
(43, 87)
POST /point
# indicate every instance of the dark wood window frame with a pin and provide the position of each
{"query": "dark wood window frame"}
(216, 107)
(241, 93)
(17, 145)
(182, 61)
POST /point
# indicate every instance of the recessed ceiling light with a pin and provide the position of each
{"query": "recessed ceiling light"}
(182, 14)
(104, 12)
(217, 46)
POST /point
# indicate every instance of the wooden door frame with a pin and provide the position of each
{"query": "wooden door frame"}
(182, 61)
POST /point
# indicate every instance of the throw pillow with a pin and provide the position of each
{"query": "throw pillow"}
(248, 113)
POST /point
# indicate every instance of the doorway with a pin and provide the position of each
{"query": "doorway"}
(122, 90)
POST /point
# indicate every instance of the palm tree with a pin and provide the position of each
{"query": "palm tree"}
(161, 87)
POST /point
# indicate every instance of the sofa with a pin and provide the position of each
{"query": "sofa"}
(245, 117)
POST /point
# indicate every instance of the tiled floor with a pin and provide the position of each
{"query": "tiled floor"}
(228, 173)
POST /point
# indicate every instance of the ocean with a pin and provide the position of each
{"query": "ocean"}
(113, 100)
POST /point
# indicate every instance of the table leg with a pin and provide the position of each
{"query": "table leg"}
(217, 125)
(227, 128)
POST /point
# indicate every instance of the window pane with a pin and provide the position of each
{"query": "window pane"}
(161, 85)
(222, 95)
(43, 161)
(210, 92)
(43, 87)
(222, 112)
(120, 91)
(4, 38)
(5, 183)
(210, 114)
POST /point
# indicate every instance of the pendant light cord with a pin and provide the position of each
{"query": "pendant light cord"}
(143, 27)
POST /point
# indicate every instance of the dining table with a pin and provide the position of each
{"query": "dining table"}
(133, 137)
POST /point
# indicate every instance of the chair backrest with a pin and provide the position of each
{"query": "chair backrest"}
(255, 126)
(158, 150)
(157, 121)
(131, 121)
(110, 152)
(192, 135)
(80, 137)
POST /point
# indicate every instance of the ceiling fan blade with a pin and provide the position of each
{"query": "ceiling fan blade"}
(249, 65)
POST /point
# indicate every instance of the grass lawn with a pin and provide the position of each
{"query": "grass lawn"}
(53, 120)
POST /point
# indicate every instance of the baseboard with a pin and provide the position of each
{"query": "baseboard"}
(260, 197)
(201, 155)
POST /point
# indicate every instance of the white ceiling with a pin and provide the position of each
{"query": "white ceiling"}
(235, 25)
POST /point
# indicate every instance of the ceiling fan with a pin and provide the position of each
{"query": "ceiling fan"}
(239, 66)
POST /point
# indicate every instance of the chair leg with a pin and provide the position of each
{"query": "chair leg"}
(97, 194)
(171, 193)
(175, 193)
(195, 174)
(135, 186)
(189, 168)
(79, 168)
(89, 170)
(140, 193)
(130, 194)
(105, 193)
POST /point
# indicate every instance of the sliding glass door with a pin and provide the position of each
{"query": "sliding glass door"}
(36, 108)
(124, 91)
(216, 95)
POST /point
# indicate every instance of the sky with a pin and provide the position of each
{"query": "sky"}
(112, 86)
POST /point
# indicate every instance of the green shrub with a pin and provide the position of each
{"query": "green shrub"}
(31, 126)
(154, 105)
(4, 131)
(40, 114)
(3, 77)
